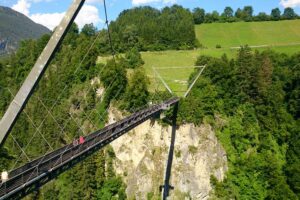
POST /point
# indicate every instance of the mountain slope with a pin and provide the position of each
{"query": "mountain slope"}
(15, 27)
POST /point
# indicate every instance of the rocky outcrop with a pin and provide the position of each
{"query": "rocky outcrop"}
(142, 156)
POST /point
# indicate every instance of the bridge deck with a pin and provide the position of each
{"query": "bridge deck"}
(32, 175)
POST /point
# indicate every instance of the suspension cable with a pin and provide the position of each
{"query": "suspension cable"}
(108, 31)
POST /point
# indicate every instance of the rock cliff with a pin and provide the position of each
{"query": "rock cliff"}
(142, 156)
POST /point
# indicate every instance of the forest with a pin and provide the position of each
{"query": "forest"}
(147, 28)
(251, 101)
(253, 104)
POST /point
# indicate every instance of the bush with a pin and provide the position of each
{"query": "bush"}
(137, 94)
(218, 46)
(133, 59)
(192, 150)
(178, 153)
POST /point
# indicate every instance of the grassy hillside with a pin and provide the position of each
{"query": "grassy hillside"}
(176, 78)
(227, 35)
(270, 34)
(162, 61)
(254, 33)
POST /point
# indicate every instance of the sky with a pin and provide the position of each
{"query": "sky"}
(50, 12)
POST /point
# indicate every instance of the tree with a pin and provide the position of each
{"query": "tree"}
(275, 14)
(215, 16)
(248, 13)
(293, 161)
(114, 80)
(131, 36)
(133, 58)
(228, 13)
(72, 35)
(137, 93)
(264, 76)
(89, 30)
(201, 102)
(176, 28)
(212, 17)
(262, 16)
(289, 13)
(147, 28)
(238, 13)
(246, 73)
(199, 15)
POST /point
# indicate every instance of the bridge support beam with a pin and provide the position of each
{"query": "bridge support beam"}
(32, 80)
(166, 187)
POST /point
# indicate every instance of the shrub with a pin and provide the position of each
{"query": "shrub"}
(192, 150)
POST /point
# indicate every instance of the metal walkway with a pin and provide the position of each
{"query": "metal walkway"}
(33, 175)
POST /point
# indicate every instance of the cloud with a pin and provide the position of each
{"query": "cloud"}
(37, 1)
(88, 14)
(141, 2)
(290, 3)
(50, 20)
(22, 6)
(94, 1)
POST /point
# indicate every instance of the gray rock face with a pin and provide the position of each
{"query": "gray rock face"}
(142, 156)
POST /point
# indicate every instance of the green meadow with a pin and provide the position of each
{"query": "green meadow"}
(276, 33)
(175, 67)
(280, 36)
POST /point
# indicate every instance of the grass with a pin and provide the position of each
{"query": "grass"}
(253, 33)
(176, 78)
(281, 36)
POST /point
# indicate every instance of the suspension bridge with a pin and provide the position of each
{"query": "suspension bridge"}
(34, 174)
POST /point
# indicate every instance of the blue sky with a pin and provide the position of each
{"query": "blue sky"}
(50, 12)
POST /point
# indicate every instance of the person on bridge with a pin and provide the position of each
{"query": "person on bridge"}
(4, 176)
(81, 140)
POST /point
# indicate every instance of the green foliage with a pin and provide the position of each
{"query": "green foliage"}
(89, 30)
(199, 15)
(150, 195)
(289, 13)
(112, 189)
(257, 94)
(228, 13)
(192, 150)
(293, 161)
(147, 28)
(137, 94)
(133, 59)
(114, 80)
(200, 102)
(260, 130)
(177, 153)
(4, 158)
(245, 14)
(67, 82)
(262, 16)
(275, 14)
